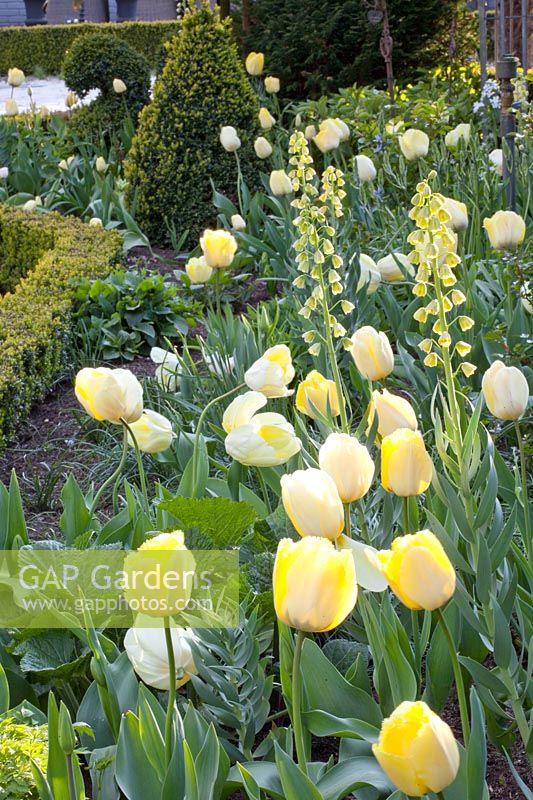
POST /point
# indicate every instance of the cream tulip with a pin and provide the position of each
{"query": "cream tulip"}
(119, 87)
(312, 503)
(461, 133)
(368, 571)
(406, 468)
(349, 464)
(505, 229)
(366, 170)
(168, 368)
(238, 223)
(280, 183)
(496, 159)
(147, 651)
(458, 214)
(390, 270)
(266, 120)
(229, 139)
(198, 270)
(255, 63)
(96, 222)
(219, 248)
(112, 395)
(393, 412)
(100, 164)
(4, 173)
(314, 585)
(327, 139)
(310, 132)
(505, 390)
(241, 410)
(372, 353)
(262, 147)
(71, 99)
(368, 274)
(317, 394)
(267, 440)
(417, 750)
(30, 206)
(414, 144)
(15, 77)
(272, 85)
(337, 126)
(11, 107)
(271, 373)
(152, 432)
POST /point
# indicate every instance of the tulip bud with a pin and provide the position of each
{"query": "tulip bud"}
(100, 164)
(506, 391)
(198, 270)
(119, 87)
(271, 373)
(65, 731)
(272, 85)
(45, 113)
(96, 222)
(417, 750)
(418, 571)
(460, 133)
(406, 468)
(458, 214)
(110, 394)
(312, 503)
(366, 170)
(30, 206)
(389, 267)
(266, 120)
(496, 159)
(372, 353)
(15, 77)
(316, 393)
(255, 63)
(219, 248)
(238, 223)
(314, 585)
(229, 139)
(71, 99)
(505, 229)
(310, 132)
(168, 369)
(414, 144)
(267, 440)
(393, 412)
(368, 274)
(147, 651)
(262, 147)
(280, 183)
(11, 107)
(152, 431)
(4, 172)
(350, 465)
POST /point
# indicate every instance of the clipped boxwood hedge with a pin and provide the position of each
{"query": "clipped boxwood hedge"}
(35, 318)
(45, 46)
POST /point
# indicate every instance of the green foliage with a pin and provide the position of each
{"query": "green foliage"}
(176, 155)
(19, 746)
(93, 62)
(35, 319)
(128, 312)
(45, 46)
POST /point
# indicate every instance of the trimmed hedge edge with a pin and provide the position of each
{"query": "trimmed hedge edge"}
(45, 46)
(36, 318)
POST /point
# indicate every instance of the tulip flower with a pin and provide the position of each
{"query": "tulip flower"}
(96, 222)
(241, 410)
(505, 229)
(45, 112)
(262, 147)
(272, 85)
(418, 571)
(147, 651)
(267, 440)
(337, 126)
(349, 464)
(312, 503)
(65, 163)
(198, 270)
(168, 368)
(372, 353)
(366, 170)
(280, 183)
(327, 139)
(255, 63)
(368, 571)
(505, 390)
(219, 364)
(414, 144)
(237, 222)
(310, 132)
(112, 395)
(15, 77)
(219, 248)
(393, 412)
(317, 393)
(271, 373)
(496, 159)
(11, 107)
(406, 468)
(314, 585)
(4, 172)
(458, 134)
(100, 164)
(229, 139)
(458, 213)
(119, 87)
(368, 274)
(389, 267)
(152, 431)
(266, 120)
(31, 205)
(417, 750)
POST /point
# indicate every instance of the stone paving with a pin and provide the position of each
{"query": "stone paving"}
(50, 92)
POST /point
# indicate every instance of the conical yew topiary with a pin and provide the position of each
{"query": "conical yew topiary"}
(176, 156)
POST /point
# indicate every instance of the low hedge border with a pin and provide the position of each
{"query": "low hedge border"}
(45, 46)
(35, 319)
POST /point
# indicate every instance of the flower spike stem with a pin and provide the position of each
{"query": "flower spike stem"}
(297, 703)
(463, 706)
(169, 723)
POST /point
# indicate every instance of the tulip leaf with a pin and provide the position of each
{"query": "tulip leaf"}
(4, 691)
(134, 773)
(477, 751)
(76, 516)
(295, 783)
(250, 785)
(351, 774)
(321, 723)
(265, 775)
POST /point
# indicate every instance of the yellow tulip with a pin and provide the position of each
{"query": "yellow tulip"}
(458, 214)
(255, 63)
(271, 373)
(219, 248)
(317, 393)
(312, 503)
(417, 750)
(418, 571)
(71, 99)
(272, 85)
(266, 120)
(372, 353)
(119, 87)
(96, 222)
(110, 394)
(314, 584)
(229, 138)
(267, 440)
(389, 267)
(241, 410)
(505, 229)
(506, 391)
(152, 431)
(280, 183)
(406, 468)
(350, 465)
(414, 144)
(393, 412)
(262, 147)
(15, 77)
(198, 270)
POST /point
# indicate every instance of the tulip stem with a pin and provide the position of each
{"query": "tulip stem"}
(264, 490)
(406, 521)
(239, 183)
(115, 476)
(347, 521)
(169, 723)
(458, 675)
(71, 780)
(330, 347)
(525, 501)
(140, 468)
(297, 702)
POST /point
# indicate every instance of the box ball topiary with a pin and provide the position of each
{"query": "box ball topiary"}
(176, 156)
(93, 62)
